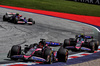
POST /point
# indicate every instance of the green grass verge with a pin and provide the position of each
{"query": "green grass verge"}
(56, 5)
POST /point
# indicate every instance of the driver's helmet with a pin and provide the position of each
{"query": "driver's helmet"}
(6, 13)
(82, 35)
(42, 44)
(17, 14)
(24, 17)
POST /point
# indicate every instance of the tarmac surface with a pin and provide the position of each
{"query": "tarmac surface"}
(50, 28)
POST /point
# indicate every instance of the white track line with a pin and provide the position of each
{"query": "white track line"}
(96, 28)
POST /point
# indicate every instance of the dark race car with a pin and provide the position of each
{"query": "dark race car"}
(81, 42)
(39, 52)
(16, 18)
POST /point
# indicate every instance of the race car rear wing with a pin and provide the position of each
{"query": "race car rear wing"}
(51, 43)
(87, 37)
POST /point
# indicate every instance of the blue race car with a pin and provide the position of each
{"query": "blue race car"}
(17, 19)
(81, 42)
(39, 52)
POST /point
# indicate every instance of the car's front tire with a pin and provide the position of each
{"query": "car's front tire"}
(31, 20)
(62, 54)
(15, 50)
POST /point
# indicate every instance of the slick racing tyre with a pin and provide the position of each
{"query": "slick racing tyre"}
(92, 46)
(72, 39)
(48, 55)
(4, 19)
(62, 54)
(66, 43)
(31, 20)
(15, 20)
(96, 44)
(69, 42)
(15, 50)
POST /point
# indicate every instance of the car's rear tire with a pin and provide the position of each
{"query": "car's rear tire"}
(92, 46)
(96, 44)
(69, 42)
(72, 39)
(62, 54)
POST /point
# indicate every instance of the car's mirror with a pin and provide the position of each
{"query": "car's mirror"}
(26, 45)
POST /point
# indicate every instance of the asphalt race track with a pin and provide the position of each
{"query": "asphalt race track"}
(50, 28)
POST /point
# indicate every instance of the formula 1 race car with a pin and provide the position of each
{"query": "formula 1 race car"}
(81, 42)
(39, 52)
(16, 18)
